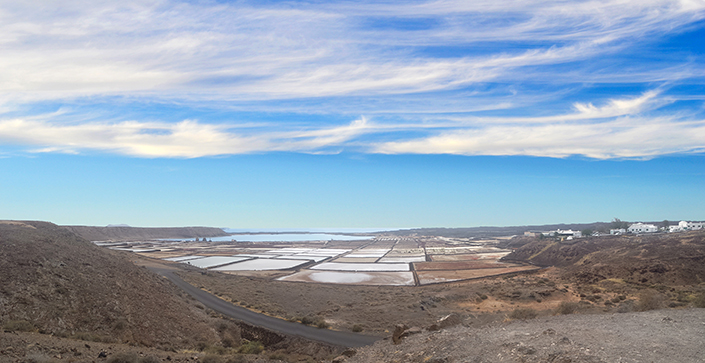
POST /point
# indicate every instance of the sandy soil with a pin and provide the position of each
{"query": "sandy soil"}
(655, 336)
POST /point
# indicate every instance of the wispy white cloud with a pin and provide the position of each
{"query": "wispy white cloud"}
(616, 130)
(441, 61)
(253, 51)
(631, 138)
(186, 139)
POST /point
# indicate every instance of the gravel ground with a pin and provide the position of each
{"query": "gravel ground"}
(653, 336)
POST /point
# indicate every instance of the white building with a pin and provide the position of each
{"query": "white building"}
(686, 226)
(618, 231)
(642, 228)
(568, 233)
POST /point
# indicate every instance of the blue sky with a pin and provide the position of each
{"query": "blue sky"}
(251, 114)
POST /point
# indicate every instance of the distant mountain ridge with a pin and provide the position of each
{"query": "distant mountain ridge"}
(121, 233)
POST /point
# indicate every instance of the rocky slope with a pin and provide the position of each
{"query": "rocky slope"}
(668, 259)
(654, 336)
(134, 233)
(57, 282)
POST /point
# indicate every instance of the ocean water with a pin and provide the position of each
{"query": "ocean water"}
(288, 237)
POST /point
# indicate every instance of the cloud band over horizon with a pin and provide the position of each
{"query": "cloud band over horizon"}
(545, 78)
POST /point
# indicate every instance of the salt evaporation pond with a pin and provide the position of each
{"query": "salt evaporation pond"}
(212, 261)
(182, 258)
(356, 278)
(288, 237)
(333, 266)
(304, 257)
(407, 259)
(262, 264)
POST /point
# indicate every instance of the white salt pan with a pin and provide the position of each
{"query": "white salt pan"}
(362, 266)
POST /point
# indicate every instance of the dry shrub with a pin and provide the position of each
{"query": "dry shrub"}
(150, 359)
(699, 301)
(18, 325)
(123, 358)
(649, 300)
(209, 358)
(251, 348)
(567, 307)
(38, 358)
(523, 314)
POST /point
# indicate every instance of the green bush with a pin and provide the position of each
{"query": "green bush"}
(567, 307)
(251, 348)
(18, 325)
(357, 328)
(523, 314)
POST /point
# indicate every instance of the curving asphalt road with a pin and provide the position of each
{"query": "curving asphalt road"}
(339, 338)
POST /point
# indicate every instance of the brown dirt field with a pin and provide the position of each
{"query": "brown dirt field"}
(459, 265)
(464, 257)
(432, 277)
(353, 278)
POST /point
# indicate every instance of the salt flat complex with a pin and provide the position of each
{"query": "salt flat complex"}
(378, 260)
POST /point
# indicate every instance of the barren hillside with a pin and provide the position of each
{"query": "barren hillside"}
(132, 233)
(62, 284)
(670, 259)
(662, 336)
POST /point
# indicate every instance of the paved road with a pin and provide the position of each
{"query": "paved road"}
(339, 338)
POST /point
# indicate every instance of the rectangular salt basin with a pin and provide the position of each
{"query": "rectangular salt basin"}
(362, 266)
(327, 254)
(355, 260)
(291, 250)
(365, 255)
(304, 257)
(356, 278)
(182, 258)
(262, 264)
(257, 256)
(212, 261)
(403, 259)
(332, 250)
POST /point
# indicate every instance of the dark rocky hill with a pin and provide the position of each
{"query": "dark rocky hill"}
(59, 283)
(117, 233)
(670, 259)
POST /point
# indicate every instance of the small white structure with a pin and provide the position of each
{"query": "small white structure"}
(642, 228)
(568, 233)
(686, 226)
(618, 231)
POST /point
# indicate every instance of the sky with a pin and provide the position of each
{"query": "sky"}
(351, 114)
